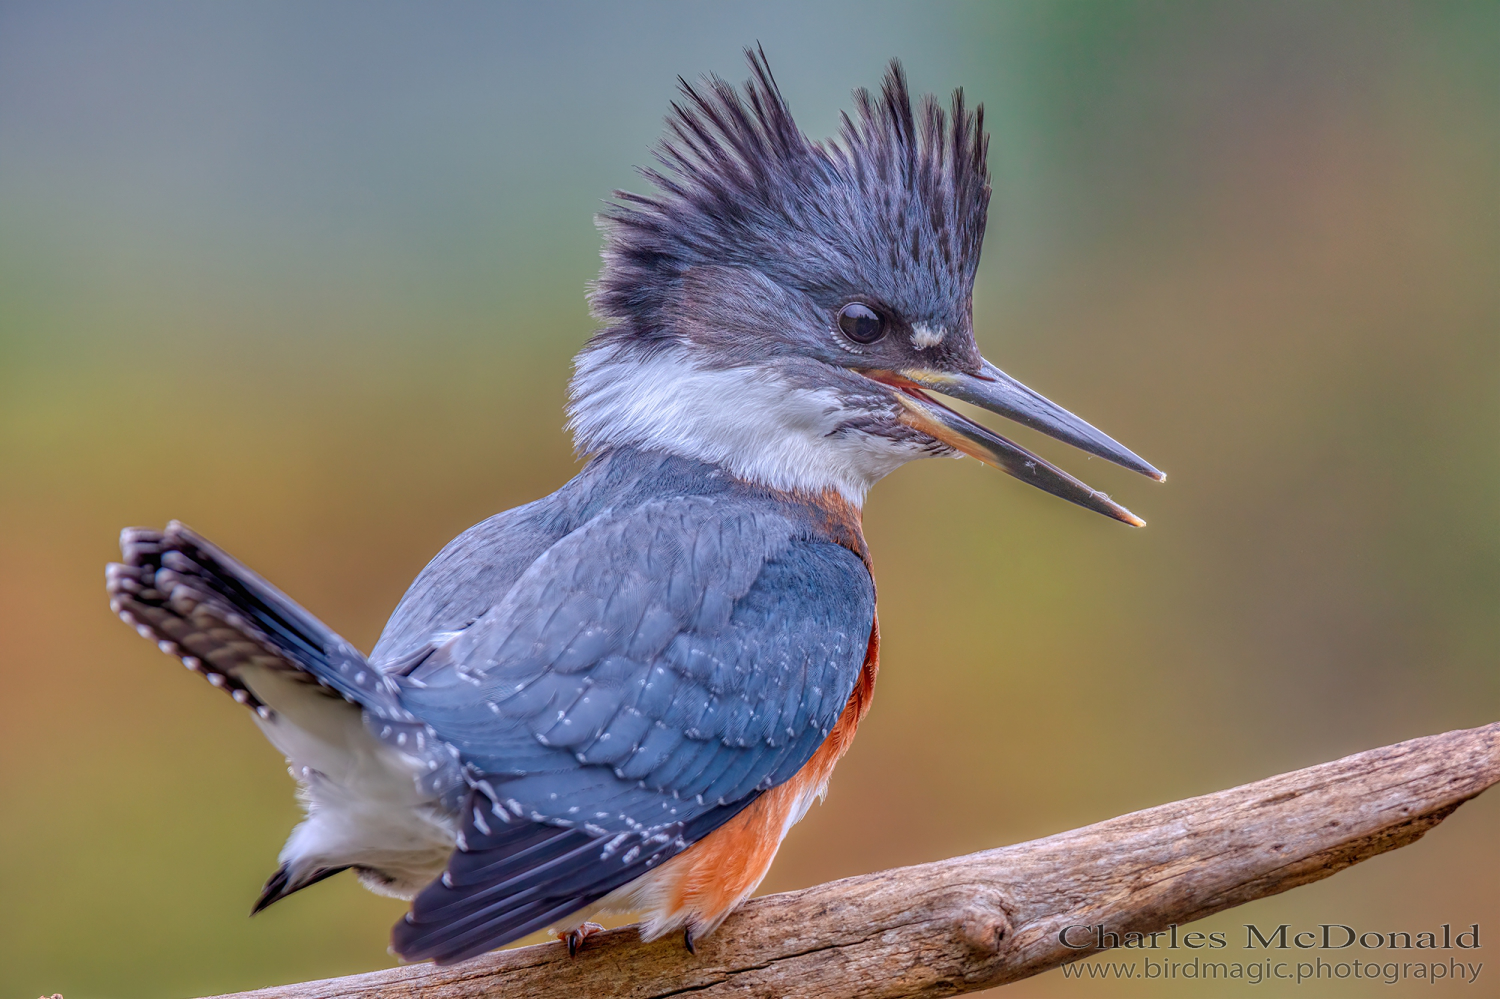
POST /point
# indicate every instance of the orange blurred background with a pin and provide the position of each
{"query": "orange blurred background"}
(309, 277)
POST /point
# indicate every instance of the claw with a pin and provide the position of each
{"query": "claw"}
(687, 940)
(575, 937)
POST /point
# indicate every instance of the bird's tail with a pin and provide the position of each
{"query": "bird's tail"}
(252, 640)
(218, 617)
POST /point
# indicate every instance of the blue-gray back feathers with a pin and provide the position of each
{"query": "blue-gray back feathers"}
(685, 642)
(590, 683)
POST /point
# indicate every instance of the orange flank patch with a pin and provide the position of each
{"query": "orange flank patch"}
(842, 521)
(834, 519)
(706, 882)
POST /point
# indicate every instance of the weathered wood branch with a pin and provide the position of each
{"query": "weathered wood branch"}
(989, 918)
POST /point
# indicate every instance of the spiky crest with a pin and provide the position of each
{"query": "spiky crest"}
(895, 206)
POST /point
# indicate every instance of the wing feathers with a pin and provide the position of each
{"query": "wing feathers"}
(523, 877)
(669, 731)
(655, 668)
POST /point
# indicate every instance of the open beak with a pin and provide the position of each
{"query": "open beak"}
(994, 390)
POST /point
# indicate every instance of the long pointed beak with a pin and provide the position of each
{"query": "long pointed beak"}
(994, 390)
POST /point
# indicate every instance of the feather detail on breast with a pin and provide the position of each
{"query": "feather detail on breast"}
(701, 886)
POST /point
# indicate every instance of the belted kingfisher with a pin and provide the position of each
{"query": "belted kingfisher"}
(622, 695)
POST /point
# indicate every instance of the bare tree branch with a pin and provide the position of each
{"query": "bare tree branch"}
(989, 918)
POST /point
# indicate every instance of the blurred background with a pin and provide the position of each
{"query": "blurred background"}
(309, 277)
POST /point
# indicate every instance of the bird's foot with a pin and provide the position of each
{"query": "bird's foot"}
(575, 937)
(687, 940)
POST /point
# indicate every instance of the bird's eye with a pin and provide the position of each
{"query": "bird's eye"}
(861, 323)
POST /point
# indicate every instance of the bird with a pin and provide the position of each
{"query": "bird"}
(622, 695)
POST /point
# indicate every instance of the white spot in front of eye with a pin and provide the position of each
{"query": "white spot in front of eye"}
(924, 336)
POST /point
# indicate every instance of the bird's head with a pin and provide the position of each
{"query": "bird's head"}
(781, 307)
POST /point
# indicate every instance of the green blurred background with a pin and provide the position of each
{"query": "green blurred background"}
(309, 277)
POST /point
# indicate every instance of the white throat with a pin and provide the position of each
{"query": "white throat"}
(747, 420)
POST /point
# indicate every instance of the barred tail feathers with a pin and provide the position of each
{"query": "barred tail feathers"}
(201, 605)
(375, 784)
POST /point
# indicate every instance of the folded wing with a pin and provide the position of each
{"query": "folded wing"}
(646, 679)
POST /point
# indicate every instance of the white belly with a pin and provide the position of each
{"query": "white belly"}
(363, 806)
